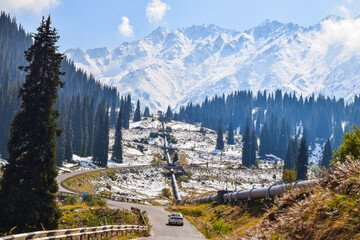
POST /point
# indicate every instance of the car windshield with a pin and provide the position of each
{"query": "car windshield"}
(176, 215)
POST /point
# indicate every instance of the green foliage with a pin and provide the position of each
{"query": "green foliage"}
(71, 200)
(153, 134)
(350, 148)
(172, 139)
(184, 178)
(111, 174)
(192, 212)
(221, 227)
(289, 175)
(302, 160)
(92, 200)
(28, 191)
(117, 152)
(137, 114)
(220, 138)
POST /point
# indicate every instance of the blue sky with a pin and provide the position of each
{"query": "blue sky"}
(97, 23)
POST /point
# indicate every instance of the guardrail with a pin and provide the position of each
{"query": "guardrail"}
(102, 232)
(252, 194)
(107, 196)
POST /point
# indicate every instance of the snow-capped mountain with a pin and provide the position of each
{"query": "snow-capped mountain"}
(172, 67)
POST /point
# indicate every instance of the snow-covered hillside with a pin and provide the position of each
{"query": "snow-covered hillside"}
(187, 64)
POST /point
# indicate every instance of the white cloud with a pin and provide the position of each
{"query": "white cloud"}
(125, 28)
(36, 6)
(345, 33)
(156, 10)
(344, 11)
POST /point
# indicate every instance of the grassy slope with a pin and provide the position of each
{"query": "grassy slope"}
(222, 221)
(330, 210)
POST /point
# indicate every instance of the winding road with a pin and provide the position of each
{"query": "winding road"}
(157, 214)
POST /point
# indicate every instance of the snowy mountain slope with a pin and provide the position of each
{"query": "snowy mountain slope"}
(176, 66)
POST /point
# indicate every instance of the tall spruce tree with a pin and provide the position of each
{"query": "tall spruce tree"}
(68, 141)
(101, 141)
(302, 161)
(291, 154)
(77, 127)
(137, 114)
(117, 153)
(327, 154)
(28, 187)
(169, 114)
(247, 148)
(230, 137)
(264, 147)
(147, 112)
(220, 138)
(254, 148)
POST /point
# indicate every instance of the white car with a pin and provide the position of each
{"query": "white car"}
(176, 219)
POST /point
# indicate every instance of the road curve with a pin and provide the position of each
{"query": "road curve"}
(158, 217)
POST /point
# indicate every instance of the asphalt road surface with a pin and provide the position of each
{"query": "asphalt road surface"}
(158, 218)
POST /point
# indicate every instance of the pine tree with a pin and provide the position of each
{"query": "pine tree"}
(60, 141)
(230, 138)
(283, 140)
(77, 127)
(247, 148)
(137, 115)
(327, 154)
(254, 148)
(68, 141)
(264, 147)
(220, 138)
(302, 161)
(29, 187)
(291, 154)
(101, 141)
(90, 130)
(147, 112)
(117, 154)
(169, 114)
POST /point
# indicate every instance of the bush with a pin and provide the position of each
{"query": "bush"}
(92, 200)
(220, 227)
(172, 139)
(289, 175)
(166, 192)
(112, 175)
(184, 178)
(71, 200)
(350, 148)
(192, 212)
(153, 134)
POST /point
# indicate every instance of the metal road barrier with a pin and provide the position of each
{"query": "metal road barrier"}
(107, 196)
(102, 232)
(252, 194)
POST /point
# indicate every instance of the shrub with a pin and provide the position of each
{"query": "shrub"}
(220, 227)
(153, 134)
(289, 175)
(71, 200)
(166, 192)
(112, 175)
(350, 148)
(184, 178)
(92, 200)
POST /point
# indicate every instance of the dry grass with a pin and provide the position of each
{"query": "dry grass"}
(330, 210)
(222, 221)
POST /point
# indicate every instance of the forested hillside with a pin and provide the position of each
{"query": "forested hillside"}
(79, 100)
(277, 119)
